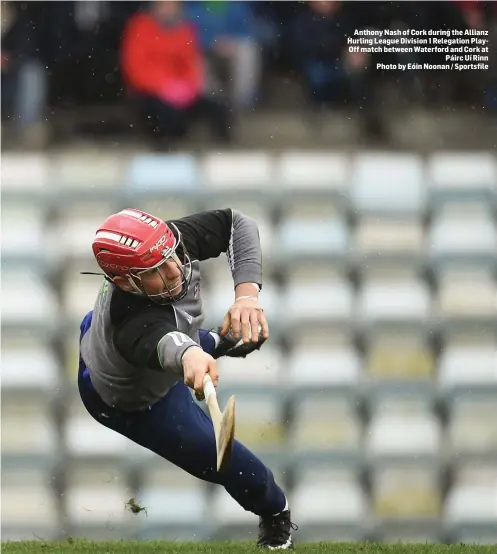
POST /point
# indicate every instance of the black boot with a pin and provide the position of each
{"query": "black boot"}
(275, 532)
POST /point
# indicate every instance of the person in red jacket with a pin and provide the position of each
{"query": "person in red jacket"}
(163, 66)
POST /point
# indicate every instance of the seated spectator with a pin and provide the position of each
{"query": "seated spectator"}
(228, 35)
(164, 68)
(332, 73)
(273, 23)
(24, 79)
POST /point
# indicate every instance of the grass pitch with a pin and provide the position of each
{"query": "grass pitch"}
(156, 547)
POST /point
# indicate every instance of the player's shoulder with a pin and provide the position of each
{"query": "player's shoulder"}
(199, 227)
(202, 219)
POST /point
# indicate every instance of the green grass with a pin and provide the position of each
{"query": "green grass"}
(156, 547)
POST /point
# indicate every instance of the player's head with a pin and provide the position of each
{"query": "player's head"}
(142, 255)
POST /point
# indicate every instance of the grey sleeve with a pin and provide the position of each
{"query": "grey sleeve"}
(171, 348)
(244, 250)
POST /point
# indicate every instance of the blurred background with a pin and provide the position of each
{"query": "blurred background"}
(375, 399)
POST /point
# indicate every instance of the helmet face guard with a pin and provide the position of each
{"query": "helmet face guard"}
(177, 255)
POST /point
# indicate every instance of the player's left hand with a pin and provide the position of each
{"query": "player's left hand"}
(244, 318)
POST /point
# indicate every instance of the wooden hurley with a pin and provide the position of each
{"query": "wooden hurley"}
(223, 422)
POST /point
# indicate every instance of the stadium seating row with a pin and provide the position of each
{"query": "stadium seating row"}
(307, 426)
(370, 175)
(378, 299)
(326, 500)
(467, 232)
(307, 365)
(371, 424)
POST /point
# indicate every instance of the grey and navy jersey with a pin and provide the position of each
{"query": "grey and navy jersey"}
(134, 346)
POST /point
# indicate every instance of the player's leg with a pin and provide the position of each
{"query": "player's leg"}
(177, 429)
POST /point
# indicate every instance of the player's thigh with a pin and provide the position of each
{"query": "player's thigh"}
(175, 427)
(179, 430)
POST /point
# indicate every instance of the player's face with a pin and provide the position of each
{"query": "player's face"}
(166, 279)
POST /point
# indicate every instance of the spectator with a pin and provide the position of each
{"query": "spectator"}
(164, 68)
(330, 72)
(483, 15)
(24, 79)
(227, 32)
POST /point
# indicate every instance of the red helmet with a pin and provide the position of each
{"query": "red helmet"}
(131, 242)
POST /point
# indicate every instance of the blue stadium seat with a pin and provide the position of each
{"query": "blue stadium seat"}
(388, 184)
(324, 367)
(153, 174)
(176, 504)
(324, 427)
(466, 295)
(29, 434)
(466, 367)
(384, 299)
(72, 232)
(406, 493)
(24, 237)
(402, 427)
(79, 294)
(264, 368)
(29, 504)
(99, 510)
(314, 171)
(472, 427)
(95, 500)
(82, 175)
(27, 301)
(377, 241)
(320, 295)
(463, 233)
(470, 512)
(328, 503)
(40, 368)
(460, 176)
(301, 239)
(241, 171)
(313, 181)
(399, 360)
(25, 176)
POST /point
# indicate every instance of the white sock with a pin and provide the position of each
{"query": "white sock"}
(217, 338)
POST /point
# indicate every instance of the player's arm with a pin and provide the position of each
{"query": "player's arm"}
(149, 340)
(211, 233)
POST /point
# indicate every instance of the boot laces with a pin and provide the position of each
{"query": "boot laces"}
(277, 528)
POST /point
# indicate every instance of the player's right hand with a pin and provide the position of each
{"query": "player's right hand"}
(196, 364)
